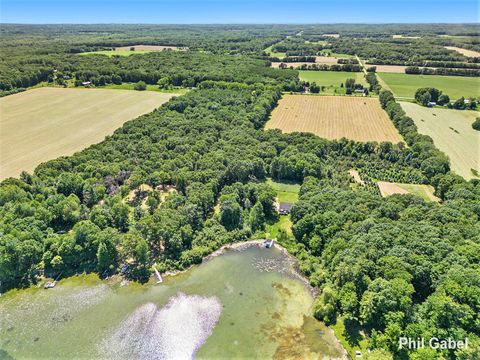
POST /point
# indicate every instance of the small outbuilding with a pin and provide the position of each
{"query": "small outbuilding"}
(285, 208)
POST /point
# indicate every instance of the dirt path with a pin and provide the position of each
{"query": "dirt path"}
(361, 64)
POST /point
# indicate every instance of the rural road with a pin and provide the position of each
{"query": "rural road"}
(361, 64)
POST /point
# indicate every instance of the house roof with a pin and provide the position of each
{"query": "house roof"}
(285, 206)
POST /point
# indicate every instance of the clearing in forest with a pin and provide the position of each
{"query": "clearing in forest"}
(423, 191)
(334, 117)
(466, 52)
(45, 123)
(286, 192)
(336, 36)
(399, 36)
(332, 80)
(138, 49)
(452, 132)
(327, 60)
(272, 53)
(405, 85)
(147, 48)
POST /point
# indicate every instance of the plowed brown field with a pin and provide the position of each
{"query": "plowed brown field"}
(334, 117)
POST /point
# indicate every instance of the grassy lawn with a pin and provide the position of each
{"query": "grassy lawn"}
(272, 53)
(116, 52)
(284, 222)
(350, 337)
(405, 85)
(129, 86)
(286, 192)
(331, 79)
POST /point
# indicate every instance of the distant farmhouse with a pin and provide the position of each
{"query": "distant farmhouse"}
(284, 208)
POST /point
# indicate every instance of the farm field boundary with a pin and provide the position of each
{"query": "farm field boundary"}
(334, 117)
(45, 123)
(405, 85)
(452, 133)
(423, 191)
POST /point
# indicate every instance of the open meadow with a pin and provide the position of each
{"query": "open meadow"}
(115, 53)
(452, 133)
(334, 117)
(326, 60)
(272, 53)
(45, 123)
(423, 191)
(138, 49)
(332, 80)
(405, 85)
(147, 48)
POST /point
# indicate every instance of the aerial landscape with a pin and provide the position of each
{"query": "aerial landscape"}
(237, 181)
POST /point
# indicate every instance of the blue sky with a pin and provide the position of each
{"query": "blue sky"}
(238, 11)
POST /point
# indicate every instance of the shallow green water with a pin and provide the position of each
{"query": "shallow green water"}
(242, 304)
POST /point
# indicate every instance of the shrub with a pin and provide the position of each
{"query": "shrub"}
(476, 124)
(140, 86)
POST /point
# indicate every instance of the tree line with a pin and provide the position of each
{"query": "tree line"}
(441, 71)
(186, 69)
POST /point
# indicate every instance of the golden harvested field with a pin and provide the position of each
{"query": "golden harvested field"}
(329, 60)
(466, 52)
(147, 48)
(389, 68)
(45, 123)
(334, 117)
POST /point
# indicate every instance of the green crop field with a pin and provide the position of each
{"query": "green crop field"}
(331, 79)
(452, 132)
(405, 85)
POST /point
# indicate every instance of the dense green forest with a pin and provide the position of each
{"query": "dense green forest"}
(395, 266)
(29, 56)
(185, 69)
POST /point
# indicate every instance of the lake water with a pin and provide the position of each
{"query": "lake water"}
(242, 304)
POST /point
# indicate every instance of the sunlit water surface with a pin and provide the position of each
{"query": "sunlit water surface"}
(242, 304)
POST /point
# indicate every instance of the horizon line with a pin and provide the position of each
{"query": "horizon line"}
(241, 23)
